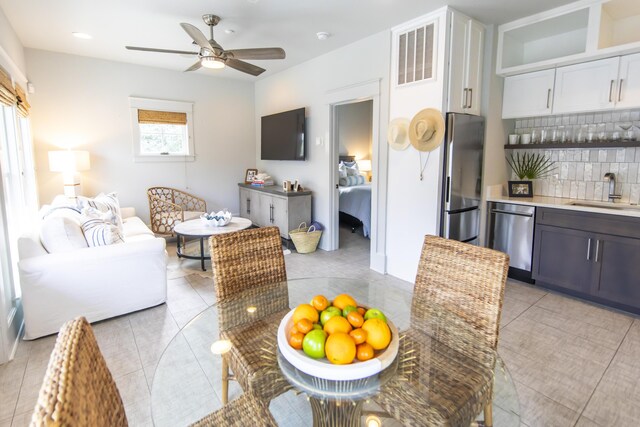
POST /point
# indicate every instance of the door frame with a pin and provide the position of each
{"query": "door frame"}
(363, 91)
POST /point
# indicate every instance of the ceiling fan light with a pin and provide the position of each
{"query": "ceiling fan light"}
(211, 62)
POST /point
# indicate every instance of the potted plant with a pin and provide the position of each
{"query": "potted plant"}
(527, 167)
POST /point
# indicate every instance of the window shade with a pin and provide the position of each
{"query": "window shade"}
(7, 93)
(161, 117)
(21, 102)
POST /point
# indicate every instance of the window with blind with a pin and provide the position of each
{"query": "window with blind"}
(162, 130)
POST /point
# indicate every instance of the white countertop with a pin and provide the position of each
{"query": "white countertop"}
(563, 203)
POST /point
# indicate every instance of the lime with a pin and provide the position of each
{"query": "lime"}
(348, 309)
(329, 313)
(313, 344)
(374, 313)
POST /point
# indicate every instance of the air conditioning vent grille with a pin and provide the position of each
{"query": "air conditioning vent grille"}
(415, 54)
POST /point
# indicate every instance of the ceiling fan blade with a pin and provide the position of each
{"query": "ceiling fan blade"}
(245, 67)
(151, 49)
(197, 36)
(194, 67)
(259, 53)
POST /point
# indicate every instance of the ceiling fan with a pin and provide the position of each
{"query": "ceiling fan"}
(212, 55)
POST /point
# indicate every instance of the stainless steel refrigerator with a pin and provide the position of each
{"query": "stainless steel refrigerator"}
(462, 177)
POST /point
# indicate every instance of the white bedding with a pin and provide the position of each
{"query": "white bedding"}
(356, 201)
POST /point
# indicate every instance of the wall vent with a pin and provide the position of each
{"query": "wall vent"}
(415, 54)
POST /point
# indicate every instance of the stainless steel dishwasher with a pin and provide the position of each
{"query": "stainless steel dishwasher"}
(511, 231)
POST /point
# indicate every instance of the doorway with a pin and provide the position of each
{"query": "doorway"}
(353, 128)
(368, 91)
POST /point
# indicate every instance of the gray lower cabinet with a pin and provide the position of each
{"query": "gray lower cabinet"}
(596, 256)
(271, 206)
(563, 257)
(619, 260)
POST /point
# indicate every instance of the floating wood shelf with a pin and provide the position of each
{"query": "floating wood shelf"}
(596, 144)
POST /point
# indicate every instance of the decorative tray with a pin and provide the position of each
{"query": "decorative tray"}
(322, 368)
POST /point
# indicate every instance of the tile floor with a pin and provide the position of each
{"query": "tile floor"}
(573, 363)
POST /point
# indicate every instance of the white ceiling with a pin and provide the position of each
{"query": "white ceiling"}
(290, 24)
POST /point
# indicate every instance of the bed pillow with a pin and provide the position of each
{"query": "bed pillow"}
(352, 180)
(342, 170)
(98, 229)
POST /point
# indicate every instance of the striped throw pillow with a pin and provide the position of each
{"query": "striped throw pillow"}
(105, 203)
(352, 180)
(98, 230)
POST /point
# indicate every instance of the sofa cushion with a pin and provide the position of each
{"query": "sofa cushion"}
(138, 238)
(98, 229)
(61, 234)
(134, 226)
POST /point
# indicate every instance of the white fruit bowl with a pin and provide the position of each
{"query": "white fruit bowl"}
(322, 368)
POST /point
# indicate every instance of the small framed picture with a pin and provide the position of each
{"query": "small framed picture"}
(250, 176)
(520, 189)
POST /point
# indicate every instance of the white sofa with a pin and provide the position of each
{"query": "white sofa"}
(95, 282)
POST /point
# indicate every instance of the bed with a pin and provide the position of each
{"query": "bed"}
(355, 204)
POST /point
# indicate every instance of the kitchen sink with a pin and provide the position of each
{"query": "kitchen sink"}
(607, 205)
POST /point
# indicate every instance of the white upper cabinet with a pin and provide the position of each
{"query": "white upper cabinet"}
(628, 93)
(465, 68)
(590, 86)
(528, 95)
(585, 30)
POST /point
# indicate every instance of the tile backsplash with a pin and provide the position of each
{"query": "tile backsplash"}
(579, 172)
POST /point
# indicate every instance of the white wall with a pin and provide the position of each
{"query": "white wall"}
(413, 204)
(83, 102)
(306, 85)
(354, 123)
(11, 49)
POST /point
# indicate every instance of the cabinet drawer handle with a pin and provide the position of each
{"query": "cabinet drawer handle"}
(248, 206)
(611, 90)
(470, 98)
(597, 249)
(620, 90)
(465, 93)
(499, 211)
(548, 98)
(589, 250)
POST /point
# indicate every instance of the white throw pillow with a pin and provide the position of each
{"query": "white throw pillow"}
(104, 203)
(61, 234)
(98, 229)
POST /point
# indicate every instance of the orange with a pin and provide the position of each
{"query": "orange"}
(304, 325)
(378, 333)
(305, 311)
(343, 300)
(340, 348)
(293, 330)
(361, 310)
(364, 352)
(355, 319)
(337, 324)
(359, 335)
(320, 302)
(296, 340)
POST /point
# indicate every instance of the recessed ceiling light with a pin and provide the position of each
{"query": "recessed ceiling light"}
(83, 36)
(323, 35)
(229, 31)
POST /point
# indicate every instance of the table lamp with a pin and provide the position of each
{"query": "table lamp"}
(70, 163)
(365, 166)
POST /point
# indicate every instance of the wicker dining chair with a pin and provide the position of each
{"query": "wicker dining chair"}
(455, 319)
(241, 261)
(78, 389)
(244, 411)
(168, 207)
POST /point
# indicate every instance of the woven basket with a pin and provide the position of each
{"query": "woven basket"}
(305, 239)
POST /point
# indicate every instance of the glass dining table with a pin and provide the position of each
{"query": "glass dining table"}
(187, 383)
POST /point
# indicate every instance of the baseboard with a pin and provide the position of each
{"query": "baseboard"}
(379, 263)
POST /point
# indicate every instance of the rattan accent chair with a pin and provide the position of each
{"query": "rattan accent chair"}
(168, 206)
(78, 389)
(244, 411)
(244, 261)
(455, 319)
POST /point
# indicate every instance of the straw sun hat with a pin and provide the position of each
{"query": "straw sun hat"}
(426, 130)
(397, 135)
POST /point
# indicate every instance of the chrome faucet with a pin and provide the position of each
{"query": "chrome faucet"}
(612, 186)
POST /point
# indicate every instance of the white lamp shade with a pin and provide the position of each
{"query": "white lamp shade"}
(69, 161)
(364, 165)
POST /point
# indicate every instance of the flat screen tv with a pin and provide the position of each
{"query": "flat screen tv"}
(283, 136)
